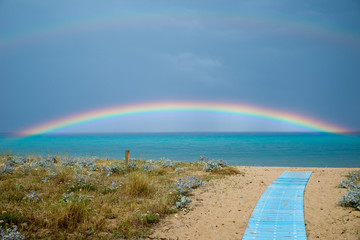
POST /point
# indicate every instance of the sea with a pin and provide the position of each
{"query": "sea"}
(239, 149)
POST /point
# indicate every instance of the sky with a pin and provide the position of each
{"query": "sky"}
(60, 58)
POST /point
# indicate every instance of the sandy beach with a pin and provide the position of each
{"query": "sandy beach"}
(221, 209)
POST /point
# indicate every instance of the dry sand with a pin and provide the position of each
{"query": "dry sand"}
(221, 210)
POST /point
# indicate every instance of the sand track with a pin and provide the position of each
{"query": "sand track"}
(221, 209)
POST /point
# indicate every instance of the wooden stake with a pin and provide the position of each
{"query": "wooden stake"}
(127, 155)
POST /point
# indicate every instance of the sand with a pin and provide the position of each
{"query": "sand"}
(221, 209)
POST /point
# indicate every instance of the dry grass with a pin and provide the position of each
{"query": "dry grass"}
(139, 184)
(226, 171)
(59, 200)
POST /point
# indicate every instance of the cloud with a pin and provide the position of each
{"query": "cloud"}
(196, 68)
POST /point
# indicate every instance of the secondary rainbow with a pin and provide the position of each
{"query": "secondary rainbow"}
(38, 33)
(169, 107)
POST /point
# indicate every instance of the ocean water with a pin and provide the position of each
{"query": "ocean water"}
(246, 149)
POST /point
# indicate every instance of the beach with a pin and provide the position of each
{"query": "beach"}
(222, 208)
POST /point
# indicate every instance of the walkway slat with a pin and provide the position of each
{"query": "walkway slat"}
(279, 213)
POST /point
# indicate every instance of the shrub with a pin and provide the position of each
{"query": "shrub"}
(46, 164)
(132, 165)
(210, 166)
(10, 233)
(352, 198)
(351, 181)
(183, 202)
(111, 188)
(222, 163)
(81, 182)
(32, 197)
(165, 162)
(15, 161)
(6, 170)
(185, 185)
(52, 159)
(71, 197)
(68, 161)
(149, 167)
(114, 168)
(203, 160)
(66, 197)
(93, 167)
(89, 162)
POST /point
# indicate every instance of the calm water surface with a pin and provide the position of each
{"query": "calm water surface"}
(250, 149)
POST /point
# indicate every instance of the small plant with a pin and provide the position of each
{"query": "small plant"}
(222, 163)
(203, 159)
(165, 162)
(93, 167)
(352, 180)
(68, 161)
(26, 168)
(111, 188)
(114, 168)
(150, 218)
(178, 170)
(15, 161)
(132, 165)
(45, 179)
(81, 182)
(46, 164)
(185, 185)
(6, 170)
(149, 167)
(32, 197)
(88, 163)
(52, 159)
(72, 198)
(352, 199)
(66, 197)
(10, 233)
(183, 202)
(210, 166)
(352, 184)
(79, 179)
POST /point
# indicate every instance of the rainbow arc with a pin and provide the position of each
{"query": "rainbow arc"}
(174, 107)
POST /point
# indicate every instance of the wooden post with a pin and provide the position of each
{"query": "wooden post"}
(127, 155)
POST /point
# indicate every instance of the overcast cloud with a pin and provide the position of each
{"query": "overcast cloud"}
(59, 58)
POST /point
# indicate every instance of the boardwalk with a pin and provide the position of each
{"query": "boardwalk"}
(279, 213)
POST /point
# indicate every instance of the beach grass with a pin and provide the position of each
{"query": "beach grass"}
(90, 198)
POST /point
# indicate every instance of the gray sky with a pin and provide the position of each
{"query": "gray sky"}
(59, 58)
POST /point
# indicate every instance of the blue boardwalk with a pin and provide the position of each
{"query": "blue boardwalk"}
(279, 213)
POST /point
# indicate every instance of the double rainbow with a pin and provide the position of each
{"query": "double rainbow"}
(130, 19)
(171, 107)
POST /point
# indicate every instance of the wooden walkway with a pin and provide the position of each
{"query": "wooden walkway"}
(279, 213)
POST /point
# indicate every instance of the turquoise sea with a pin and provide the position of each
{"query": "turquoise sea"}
(247, 149)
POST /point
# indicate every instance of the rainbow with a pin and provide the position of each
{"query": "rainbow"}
(175, 107)
(133, 19)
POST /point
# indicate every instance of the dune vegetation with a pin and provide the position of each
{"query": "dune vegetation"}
(352, 184)
(78, 198)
